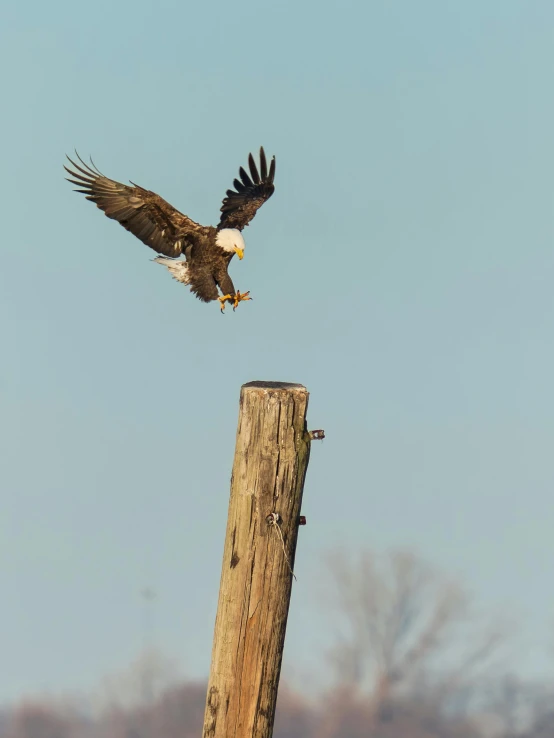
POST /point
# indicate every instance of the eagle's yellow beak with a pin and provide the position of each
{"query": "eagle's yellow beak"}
(239, 252)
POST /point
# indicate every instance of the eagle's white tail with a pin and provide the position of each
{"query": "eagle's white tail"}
(179, 269)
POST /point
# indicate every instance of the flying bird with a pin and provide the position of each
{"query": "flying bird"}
(207, 249)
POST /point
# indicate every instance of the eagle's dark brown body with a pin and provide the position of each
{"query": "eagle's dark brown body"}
(207, 249)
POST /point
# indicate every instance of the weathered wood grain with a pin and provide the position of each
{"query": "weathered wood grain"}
(271, 458)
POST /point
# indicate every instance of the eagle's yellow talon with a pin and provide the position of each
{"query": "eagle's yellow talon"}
(240, 297)
(235, 299)
(223, 299)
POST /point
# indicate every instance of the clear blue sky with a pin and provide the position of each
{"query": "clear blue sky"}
(403, 272)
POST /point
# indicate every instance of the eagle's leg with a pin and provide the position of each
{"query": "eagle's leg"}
(240, 297)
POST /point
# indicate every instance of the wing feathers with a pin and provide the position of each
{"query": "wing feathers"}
(241, 205)
(145, 214)
(239, 187)
(157, 223)
(263, 164)
(253, 170)
(247, 182)
(271, 171)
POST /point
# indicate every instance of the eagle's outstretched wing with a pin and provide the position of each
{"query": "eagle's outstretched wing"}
(146, 215)
(240, 207)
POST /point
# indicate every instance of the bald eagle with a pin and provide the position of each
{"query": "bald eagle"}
(207, 249)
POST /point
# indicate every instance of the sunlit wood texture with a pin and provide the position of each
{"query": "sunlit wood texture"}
(271, 458)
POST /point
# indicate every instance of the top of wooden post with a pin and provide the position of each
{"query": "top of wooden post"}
(274, 386)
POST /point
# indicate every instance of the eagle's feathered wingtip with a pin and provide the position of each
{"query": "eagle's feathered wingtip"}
(266, 176)
(263, 163)
(89, 170)
(240, 205)
(258, 177)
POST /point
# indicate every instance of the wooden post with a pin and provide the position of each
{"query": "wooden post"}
(271, 458)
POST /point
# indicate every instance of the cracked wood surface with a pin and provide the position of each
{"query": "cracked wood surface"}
(271, 457)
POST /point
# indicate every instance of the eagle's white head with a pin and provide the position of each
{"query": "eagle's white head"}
(229, 239)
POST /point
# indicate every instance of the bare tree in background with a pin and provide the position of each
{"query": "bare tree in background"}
(401, 624)
(38, 720)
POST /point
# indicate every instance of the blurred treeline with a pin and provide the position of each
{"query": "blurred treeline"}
(411, 658)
